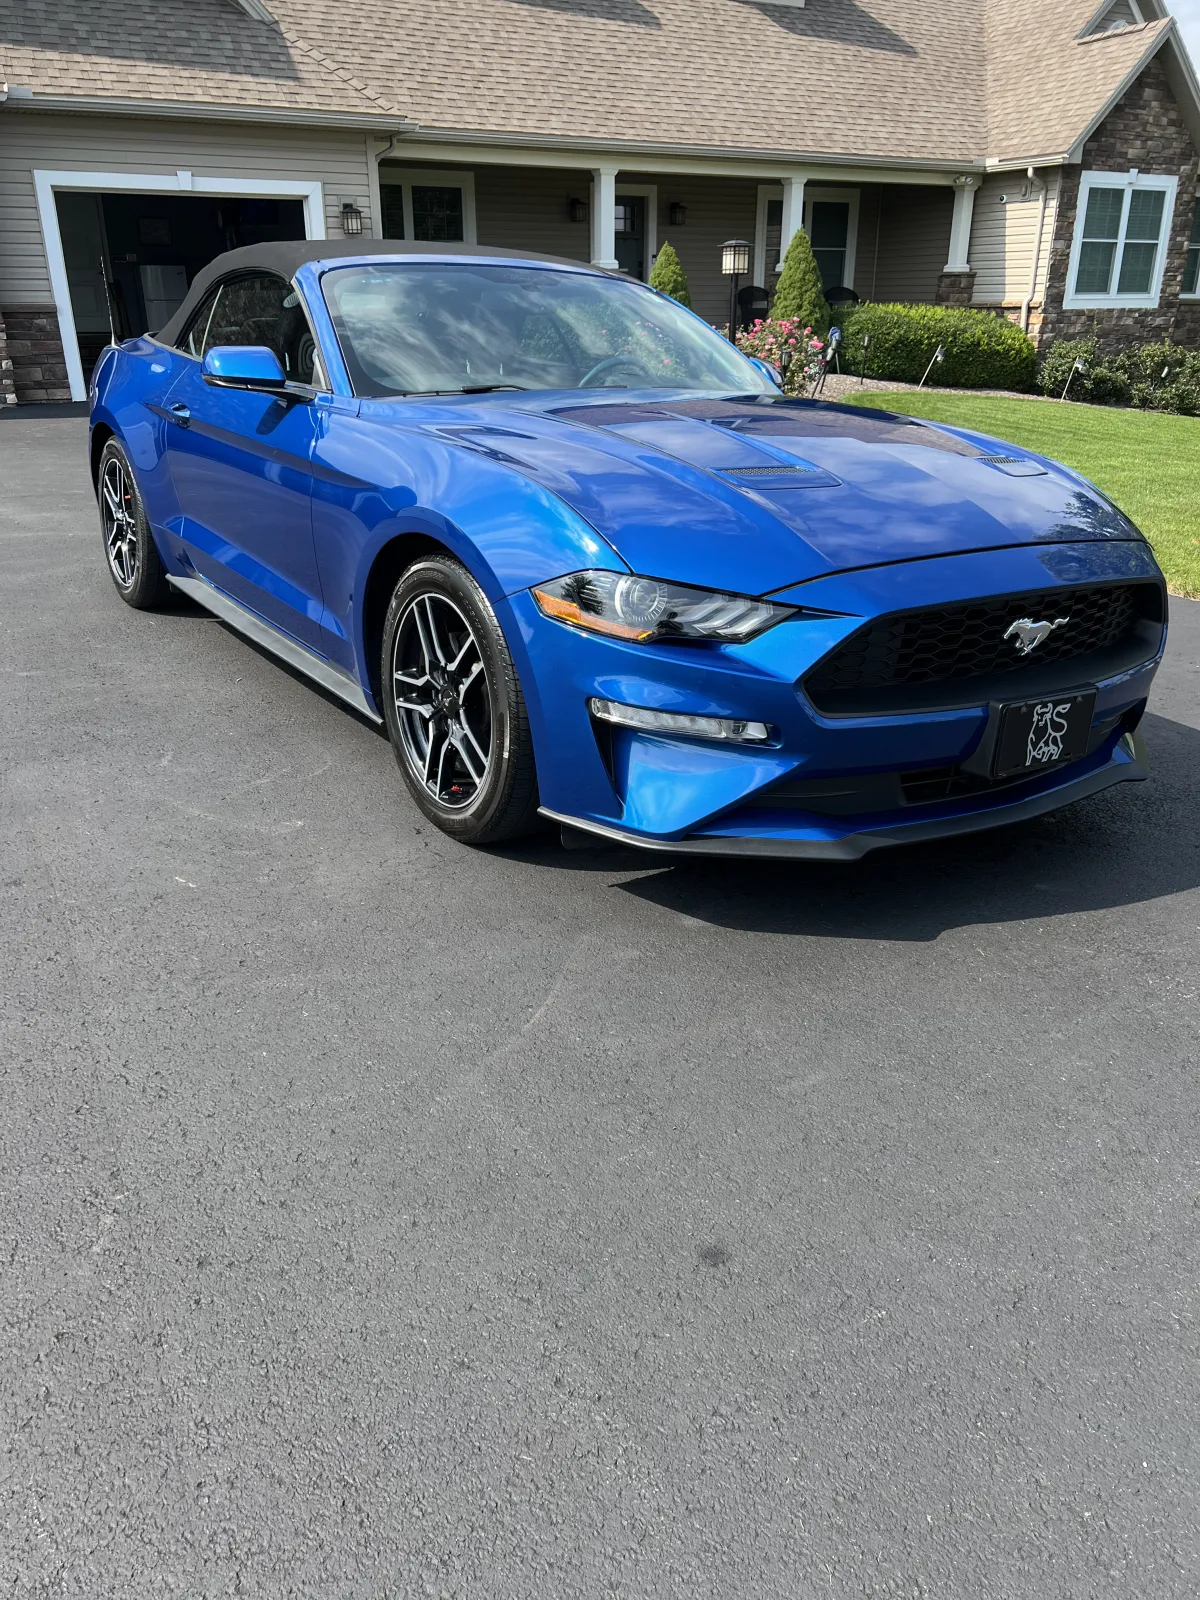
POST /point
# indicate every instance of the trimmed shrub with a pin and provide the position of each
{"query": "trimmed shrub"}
(1152, 377)
(1162, 377)
(799, 296)
(983, 351)
(668, 277)
(1096, 383)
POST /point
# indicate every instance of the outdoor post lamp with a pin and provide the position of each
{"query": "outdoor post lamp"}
(735, 264)
(351, 218)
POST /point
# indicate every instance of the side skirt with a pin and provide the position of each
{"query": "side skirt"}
(257, 628)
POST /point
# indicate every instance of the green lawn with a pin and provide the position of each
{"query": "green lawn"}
(1149, 463)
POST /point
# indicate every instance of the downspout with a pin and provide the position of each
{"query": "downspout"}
(1037, 250)
(375, 158)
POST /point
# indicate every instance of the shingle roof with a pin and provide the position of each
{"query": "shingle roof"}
(201, 51)
(1046, 85)
(876, 80)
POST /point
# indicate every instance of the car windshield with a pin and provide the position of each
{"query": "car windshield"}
(429, 328)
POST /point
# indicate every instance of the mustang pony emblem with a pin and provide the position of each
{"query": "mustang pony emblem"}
(1027, 634)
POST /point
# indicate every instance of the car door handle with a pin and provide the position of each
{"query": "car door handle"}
(179, 413)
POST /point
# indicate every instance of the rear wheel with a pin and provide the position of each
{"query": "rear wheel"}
(454, 708)
(133, 559)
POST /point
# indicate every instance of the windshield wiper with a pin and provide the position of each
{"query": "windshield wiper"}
(471, 388)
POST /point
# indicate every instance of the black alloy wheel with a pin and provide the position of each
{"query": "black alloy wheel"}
(133, 559)
(454, 708)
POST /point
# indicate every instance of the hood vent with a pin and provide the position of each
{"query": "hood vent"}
(790, 475)
(1014, 466)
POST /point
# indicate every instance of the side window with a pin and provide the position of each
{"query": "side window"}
(193, 338)
(266, 310)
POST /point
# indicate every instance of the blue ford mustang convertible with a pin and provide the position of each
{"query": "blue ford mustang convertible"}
(586, 561)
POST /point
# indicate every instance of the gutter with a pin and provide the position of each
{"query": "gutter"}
(397, 126)
(945, 165)
(381, 122)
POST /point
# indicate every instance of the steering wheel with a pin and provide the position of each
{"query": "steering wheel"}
(609, 364)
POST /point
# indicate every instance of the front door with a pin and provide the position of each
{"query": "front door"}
(631, 235)
(240, 462)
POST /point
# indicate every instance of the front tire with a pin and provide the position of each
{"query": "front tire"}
(134, 563)
(454, 709)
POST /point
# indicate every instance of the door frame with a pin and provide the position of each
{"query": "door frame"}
(647, 192)
(47, 183)
(774, 191)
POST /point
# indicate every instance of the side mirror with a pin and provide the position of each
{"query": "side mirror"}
(768, 370)
(244, 366)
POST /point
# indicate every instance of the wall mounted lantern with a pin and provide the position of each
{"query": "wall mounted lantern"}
(351, 218)
(676, 214)
(577, 210)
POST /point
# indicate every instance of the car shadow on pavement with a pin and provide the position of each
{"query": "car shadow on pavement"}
(1132, 843)
(182, 605)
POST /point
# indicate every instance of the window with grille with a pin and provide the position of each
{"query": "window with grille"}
(1120, 239)
(1191, 271)
(425, 204)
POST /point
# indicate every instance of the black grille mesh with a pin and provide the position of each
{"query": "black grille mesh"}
(959, 642)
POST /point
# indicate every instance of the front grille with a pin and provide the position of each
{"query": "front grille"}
(912, 657)
(873, 793)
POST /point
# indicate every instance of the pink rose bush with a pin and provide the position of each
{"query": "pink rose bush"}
(788, 345)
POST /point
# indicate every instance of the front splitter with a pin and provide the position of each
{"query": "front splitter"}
(853, 846)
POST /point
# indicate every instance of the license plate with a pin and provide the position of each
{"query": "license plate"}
(1041, 733)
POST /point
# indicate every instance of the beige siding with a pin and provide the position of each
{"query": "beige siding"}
(1003, 236)
(525, 208)
(30, 140)
(717, 209)
(914, 241)
(866, 260)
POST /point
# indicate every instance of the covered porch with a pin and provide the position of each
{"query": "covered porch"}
(883, 234)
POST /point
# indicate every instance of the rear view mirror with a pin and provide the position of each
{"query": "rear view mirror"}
(244, 366)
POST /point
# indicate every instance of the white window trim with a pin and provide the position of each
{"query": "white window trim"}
(1187, 250)
(852, 196)
(774, 191)
(1116, 180)
(766, 193)
(437, 178)
(47, 183)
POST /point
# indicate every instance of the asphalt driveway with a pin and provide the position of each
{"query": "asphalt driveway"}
(381, 1218)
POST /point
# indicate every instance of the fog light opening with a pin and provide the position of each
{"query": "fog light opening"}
(727, 730)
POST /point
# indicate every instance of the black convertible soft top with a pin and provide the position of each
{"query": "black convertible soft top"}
(287, 256)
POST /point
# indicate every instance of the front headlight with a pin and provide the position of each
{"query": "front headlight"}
(624, 606)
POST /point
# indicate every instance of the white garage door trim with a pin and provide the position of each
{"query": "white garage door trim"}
(46, 183)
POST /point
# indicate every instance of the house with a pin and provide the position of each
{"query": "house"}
(1034, 157)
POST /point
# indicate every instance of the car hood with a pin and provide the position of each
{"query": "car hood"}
(759, 494)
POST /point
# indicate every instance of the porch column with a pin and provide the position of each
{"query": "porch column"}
(604, 217)
(960, 227)
(793, 213)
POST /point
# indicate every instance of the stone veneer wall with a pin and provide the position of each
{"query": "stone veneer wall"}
(35, 350)
(8, 392)
(955, 288)
(1144, 130)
